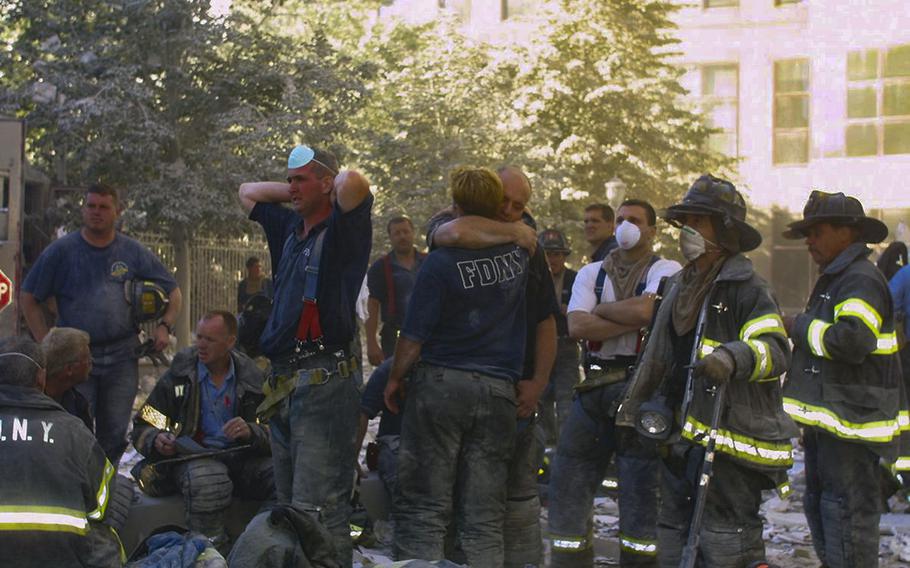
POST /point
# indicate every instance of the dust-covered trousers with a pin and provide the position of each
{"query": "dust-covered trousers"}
(731, 529)
(111, 391)
(563, 378)
(843, 493)
(208, 484)
(314, 437)
(388, 462)
(521, 530)
(588, 440)
(457, 437)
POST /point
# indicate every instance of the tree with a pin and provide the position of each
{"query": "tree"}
(439, 101)
(167, 100)
(171, 102)
(603, 99)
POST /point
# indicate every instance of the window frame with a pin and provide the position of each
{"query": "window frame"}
(706, 4)
(790, 130)
(708, 102)
(879, 83)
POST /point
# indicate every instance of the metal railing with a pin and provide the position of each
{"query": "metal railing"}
(217, 264)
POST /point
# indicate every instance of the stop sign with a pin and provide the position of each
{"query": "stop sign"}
(6, 290)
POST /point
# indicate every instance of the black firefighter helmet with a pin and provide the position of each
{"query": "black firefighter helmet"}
(147, 300)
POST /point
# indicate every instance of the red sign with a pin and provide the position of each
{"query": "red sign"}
(6, 290)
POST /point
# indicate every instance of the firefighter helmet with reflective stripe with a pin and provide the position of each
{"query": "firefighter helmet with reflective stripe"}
(147, 300)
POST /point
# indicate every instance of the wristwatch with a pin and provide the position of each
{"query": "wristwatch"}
(169, 327)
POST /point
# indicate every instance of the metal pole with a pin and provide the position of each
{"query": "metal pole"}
(704, 479)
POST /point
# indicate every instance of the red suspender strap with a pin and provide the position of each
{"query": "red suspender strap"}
(389, 286)
(308, 326)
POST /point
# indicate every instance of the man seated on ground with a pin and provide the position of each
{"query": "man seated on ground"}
(206, 404)
(69, 362)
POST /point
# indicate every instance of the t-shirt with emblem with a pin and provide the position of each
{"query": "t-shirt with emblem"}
(468, 310)
(88, 284)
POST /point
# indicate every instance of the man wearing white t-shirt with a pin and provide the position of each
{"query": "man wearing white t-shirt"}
(611, 302)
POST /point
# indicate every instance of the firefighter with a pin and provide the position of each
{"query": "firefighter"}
(466, 324)
(522, 541)
(564, 375)
(321, 247)
(57, 483)
(209, 395)
(718, 324)
(611, 301)
(844, 386)
(105, 284)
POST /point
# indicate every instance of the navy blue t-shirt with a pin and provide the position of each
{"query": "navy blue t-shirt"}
(88, 283)
(540, 296)
(345, 254)
(372, 401)
(402, 284)
(468, 309)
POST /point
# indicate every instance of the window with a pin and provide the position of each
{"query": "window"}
(720, 3)
(461, 8)
(791, 111)
(878, 101)
(720, 95)
(516, 8)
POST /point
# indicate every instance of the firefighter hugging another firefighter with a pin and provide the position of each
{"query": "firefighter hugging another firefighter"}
(689, 381)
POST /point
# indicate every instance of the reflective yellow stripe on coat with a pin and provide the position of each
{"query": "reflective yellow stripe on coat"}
(775, 454)
(40, 518)
(881, 431)
(886, 343)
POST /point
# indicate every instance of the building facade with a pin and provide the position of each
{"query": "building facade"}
(807, 94)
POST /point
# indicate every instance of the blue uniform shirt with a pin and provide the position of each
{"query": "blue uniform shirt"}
(217, 405)
(87, 282)
(345, 254)
(468, 309)
(900, 290)
(402, 283)
(372, 401)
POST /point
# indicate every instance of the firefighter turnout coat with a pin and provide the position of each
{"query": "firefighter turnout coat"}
(174, 405)
(846, 377)
(742, 316)
(56, 486)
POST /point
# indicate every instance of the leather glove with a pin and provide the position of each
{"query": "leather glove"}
(717, 368)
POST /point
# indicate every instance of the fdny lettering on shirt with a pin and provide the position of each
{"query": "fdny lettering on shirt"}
(13, 429)
(490, 271)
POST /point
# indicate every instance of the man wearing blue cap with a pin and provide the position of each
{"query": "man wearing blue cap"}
(321, 247)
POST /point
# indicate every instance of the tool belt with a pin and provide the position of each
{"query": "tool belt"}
(278, 387)
(600, 372)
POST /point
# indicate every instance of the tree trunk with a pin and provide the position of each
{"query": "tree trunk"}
(181, 238)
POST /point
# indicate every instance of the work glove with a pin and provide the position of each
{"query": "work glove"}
(717, 368)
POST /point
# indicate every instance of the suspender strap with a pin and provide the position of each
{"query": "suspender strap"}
(599, 289)
(308, 327)
(599, 284)
(389, 286)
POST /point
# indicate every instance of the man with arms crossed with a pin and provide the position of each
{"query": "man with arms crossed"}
(611, 301)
